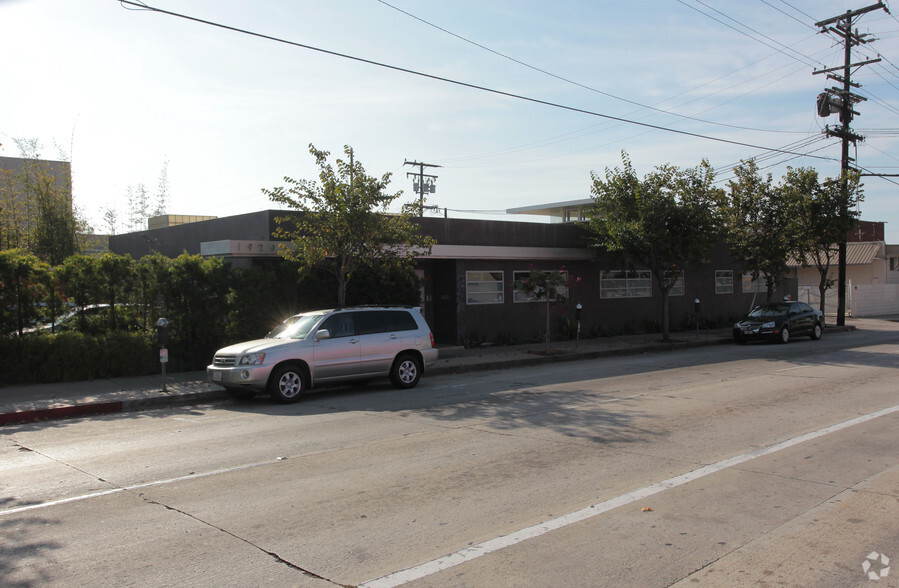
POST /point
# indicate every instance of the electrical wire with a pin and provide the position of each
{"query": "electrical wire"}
(572, 82)
(141, 5)
(748, 35)
(803, 23)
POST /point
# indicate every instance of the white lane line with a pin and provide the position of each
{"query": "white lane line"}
(133, 487)
(476, 551)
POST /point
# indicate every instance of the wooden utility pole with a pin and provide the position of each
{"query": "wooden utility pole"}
(843, 99)
(422, 187)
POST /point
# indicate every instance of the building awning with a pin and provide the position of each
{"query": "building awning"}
(856, 254)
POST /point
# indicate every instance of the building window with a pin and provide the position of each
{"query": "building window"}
(750, 285)
(484, 287)
(520, 296)
(724, 282)
(894, 264)
(625, 284)
(678, 288)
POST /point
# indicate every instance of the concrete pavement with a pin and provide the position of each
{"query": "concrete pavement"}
(41, 402)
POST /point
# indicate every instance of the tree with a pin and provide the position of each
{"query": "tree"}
(550, 287)
(116, 281)
(663, 222)
(22, 285)
(79, 277)
(138, 206)
(820, 223)
(162, 191)
(36, 211)
(757, 217)
(345, 224)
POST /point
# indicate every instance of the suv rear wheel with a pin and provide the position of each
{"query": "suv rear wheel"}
(288, 383)
(406, 371)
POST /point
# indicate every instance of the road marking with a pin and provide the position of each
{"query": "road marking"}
(134, 487)
(470, 553)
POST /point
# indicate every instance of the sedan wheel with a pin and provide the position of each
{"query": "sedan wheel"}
(406, 371)
(288, 384)
(817, 332)
(785, 334)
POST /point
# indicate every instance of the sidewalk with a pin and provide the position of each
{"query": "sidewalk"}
(40, 402)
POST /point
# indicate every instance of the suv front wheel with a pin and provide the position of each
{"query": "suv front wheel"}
(406, 371)
(288, 383)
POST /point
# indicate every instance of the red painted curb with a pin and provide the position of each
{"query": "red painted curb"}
(62, 412)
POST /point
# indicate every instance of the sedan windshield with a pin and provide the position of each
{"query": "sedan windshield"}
(769, 310)
(296, 327)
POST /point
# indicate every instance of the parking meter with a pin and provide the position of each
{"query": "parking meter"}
(162, 335)
(162, 331)
(577, 317)
(696, 310)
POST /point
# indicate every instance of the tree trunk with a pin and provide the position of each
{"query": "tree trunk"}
(666, 329)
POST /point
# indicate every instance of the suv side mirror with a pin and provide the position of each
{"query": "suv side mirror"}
(322, 334)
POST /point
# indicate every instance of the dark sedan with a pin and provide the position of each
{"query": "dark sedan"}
(779, 321)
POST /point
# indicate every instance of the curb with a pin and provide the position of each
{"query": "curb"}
(160, 399)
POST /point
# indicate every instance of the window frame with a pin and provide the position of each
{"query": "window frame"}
(632, 287)
(760, 286)
(518, 296)
(724, 287)
(678, 289)
(471, 297)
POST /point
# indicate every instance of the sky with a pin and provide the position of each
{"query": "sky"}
(518, 101)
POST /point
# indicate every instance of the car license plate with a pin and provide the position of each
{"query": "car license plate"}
(216, 376)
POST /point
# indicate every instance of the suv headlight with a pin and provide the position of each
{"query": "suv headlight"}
(252, 359)
(769, 325)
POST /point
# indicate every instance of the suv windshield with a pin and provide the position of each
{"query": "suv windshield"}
(296, 327)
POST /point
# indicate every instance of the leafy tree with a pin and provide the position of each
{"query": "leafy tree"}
(22, 279)
(162, 191)
(138, 206)
(79, 278)
(825, 213)
(116, 281)
(150, 275)
(195, 293)
(36, 211)
(550, 287)
(345, 223)
(664, 222)
(758, 217)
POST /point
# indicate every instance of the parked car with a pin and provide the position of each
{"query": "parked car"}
(96, 320)
(780, 321)
(328, 346)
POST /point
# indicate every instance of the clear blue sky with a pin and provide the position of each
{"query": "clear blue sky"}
(123, 91)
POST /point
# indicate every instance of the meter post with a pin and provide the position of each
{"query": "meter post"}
(162, 335)
(577, 317)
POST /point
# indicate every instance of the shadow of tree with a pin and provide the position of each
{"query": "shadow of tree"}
(24, 561)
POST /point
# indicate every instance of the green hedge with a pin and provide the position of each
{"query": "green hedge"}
(71, 357)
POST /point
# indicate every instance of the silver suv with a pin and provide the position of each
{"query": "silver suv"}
(325, 346)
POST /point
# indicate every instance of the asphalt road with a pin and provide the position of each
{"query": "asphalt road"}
(720, 466)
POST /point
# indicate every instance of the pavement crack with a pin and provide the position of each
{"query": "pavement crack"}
(255, 546)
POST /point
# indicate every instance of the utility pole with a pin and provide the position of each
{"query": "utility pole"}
(842, 100)
(420, 186)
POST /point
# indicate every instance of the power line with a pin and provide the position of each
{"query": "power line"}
(747, 34)
(569, 81)
(141, 5)
(803, 23)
